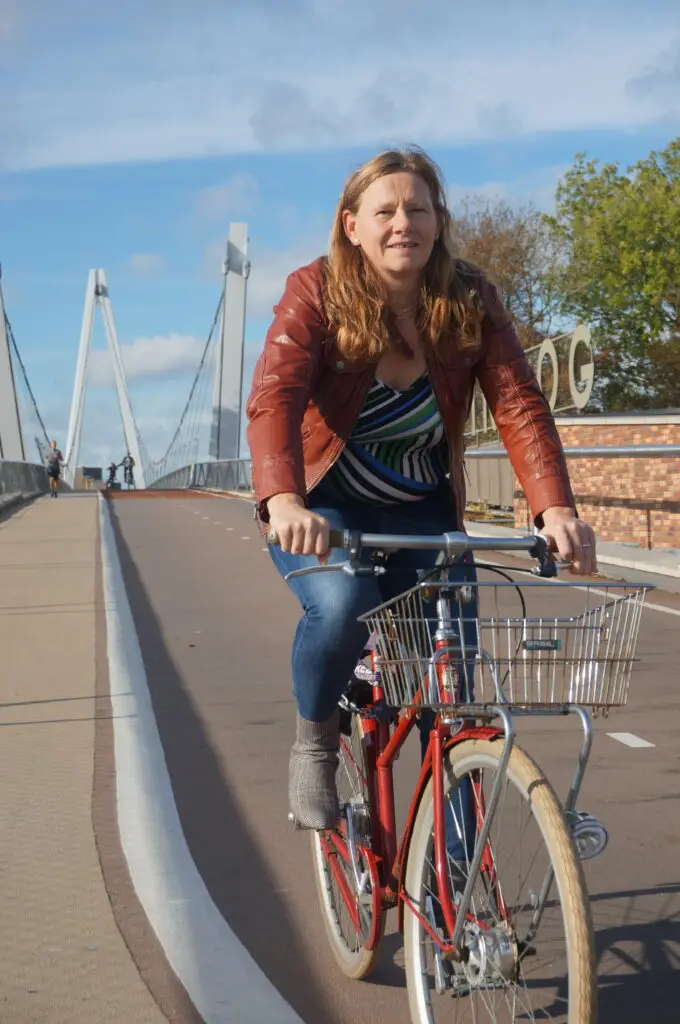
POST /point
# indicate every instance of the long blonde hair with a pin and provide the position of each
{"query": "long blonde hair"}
(356, 298)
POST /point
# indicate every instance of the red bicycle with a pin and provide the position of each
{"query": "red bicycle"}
(486, 875)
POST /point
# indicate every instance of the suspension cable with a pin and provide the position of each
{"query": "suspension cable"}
(155, 463)
(20, 362)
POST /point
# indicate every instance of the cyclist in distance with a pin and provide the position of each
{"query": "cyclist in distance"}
(128, 465)
(54, 459)
(355, 421)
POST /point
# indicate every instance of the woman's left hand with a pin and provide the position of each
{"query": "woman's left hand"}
(573, 539)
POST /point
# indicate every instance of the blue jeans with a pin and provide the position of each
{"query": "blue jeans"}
(329, 640)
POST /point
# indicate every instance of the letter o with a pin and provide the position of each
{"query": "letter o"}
(581, 336)
(548, 349)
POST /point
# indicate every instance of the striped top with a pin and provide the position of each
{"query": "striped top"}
(397, 451)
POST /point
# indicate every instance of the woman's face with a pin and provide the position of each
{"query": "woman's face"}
(395, 225)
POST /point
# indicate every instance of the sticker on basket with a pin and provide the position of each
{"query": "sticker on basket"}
(542, 645)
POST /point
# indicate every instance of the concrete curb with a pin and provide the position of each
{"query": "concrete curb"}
(8, 502)
(657, 562)
(218, 973)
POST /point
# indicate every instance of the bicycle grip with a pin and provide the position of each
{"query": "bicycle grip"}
(336, 538)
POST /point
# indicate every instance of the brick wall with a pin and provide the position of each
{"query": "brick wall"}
(634, 500)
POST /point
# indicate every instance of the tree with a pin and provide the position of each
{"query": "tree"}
(620, 274)
(517, 248)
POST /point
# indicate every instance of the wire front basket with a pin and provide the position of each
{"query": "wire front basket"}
(434, 648)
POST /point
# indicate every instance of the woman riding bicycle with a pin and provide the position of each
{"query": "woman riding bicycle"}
(356, 419)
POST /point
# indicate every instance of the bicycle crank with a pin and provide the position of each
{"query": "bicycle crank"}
(590, 835)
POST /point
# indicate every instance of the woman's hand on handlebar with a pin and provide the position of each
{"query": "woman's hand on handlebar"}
(298, 531)
(573, 539)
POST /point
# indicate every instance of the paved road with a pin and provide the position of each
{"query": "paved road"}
(215, 621)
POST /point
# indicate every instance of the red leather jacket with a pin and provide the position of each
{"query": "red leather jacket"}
(306, 397)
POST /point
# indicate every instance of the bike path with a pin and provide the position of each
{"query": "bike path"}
(214, 623)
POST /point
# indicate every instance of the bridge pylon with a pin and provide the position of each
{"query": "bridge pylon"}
(97, 295)
(11, 437)
(225, 432)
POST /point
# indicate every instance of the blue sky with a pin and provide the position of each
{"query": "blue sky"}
(131, 135)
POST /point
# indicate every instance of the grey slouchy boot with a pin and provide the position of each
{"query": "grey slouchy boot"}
(312, 793)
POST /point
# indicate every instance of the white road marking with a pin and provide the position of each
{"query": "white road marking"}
(604, 593)
(647, 605)
(624, 583)
(230, 495)
(630, 739)
(662, 608)
(245, 538)
(206, 517)
(230, 529)
(652, 606)
(222, 979)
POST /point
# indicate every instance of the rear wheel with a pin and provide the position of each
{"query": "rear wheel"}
(354, 921)
(515, 967)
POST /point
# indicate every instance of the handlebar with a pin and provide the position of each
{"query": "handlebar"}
(451, 545)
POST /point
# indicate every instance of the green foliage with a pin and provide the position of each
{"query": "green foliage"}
(620, 273)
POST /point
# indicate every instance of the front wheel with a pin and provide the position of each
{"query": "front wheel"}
(518, 963)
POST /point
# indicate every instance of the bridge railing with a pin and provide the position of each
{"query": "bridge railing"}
(492, 478)
(218, 475)
(637, 515)
(20, 481)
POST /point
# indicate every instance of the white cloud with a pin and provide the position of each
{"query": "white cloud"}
(269, 268)
(236, 197)
(659, 82)
(146, 263)
(162, 355)
(157, 410)
(536, 188)
(318, 75)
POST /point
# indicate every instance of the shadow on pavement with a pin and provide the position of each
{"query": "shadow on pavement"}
(231, 864)
(638, 954)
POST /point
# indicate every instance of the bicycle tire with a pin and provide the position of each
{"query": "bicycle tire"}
(545, 807)
(354, 963)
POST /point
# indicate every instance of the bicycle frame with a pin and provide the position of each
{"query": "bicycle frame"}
(387, 856)
(390, 855)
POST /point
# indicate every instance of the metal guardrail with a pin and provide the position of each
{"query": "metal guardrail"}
(21, 480)
(219, 475)
(624, 451)
(235, 474)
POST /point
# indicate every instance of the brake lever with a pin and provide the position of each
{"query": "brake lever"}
(547, 567)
